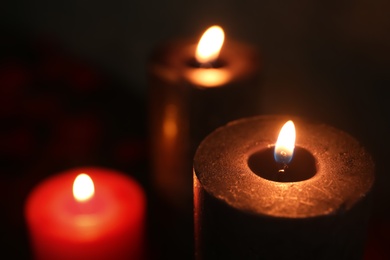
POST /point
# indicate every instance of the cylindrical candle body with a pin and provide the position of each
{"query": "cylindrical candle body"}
(110, 226)
(187, 102)
(241, 215)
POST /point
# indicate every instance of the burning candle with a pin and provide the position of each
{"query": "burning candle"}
(257, 200)
(103, 218)
(194, 88)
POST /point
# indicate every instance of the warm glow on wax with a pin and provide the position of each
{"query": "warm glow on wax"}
(284, 147)
(210, 45)
(83, 187)
(210, 77)
(170, 127)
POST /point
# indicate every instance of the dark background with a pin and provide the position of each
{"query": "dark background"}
(73, 84)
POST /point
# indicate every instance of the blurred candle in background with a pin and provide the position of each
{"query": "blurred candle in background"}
(195, 86)
(103, 218)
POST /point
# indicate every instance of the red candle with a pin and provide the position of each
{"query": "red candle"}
(101, 217)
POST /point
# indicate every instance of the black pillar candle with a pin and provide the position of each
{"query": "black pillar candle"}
(246, 209)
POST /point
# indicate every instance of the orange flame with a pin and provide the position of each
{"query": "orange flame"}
(284, 147)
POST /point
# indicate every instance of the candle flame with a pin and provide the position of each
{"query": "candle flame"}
(284, 147)
(210, 44)
(83, 188)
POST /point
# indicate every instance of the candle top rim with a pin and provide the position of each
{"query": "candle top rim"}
(171, 60)
(47, 205)
(337, 186)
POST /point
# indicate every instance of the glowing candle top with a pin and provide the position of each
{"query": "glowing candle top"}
(104, 218)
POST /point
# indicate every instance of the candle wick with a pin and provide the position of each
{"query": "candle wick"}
(285, 166)
(206, 65)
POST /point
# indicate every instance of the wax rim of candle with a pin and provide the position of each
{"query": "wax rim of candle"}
(345, 169)
(48, 213)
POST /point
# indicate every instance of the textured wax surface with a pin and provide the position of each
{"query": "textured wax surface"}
(345, 171)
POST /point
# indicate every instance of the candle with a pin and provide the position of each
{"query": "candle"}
(252, 202)
(99, 215)
(192, 90)
(195, 87)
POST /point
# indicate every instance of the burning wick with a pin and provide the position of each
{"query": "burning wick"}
(285, 166)
(284, 147)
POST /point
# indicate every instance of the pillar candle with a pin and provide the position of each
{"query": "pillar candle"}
(192, 94)
(107, 225)
(249, 206)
